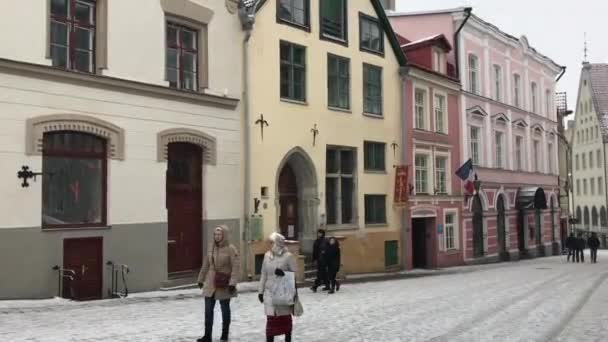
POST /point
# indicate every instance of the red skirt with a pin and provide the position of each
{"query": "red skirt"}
(278, 325)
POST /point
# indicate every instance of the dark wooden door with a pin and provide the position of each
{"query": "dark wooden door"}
(288, 202)
(501, 225)
(477, 227)
(419, 243)
(84, 257)
(184, 207)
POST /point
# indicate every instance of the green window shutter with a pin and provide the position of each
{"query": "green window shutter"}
(391, 253)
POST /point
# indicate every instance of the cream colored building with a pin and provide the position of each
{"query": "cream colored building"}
(98, 100)
(324, 128)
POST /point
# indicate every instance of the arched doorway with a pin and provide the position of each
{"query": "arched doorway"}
(184, 207)
(530, 200)
(501, 227)
(552, 219)
(586, 218)
(594, 218)
(477, 208)
(603, 218)
(297, 198)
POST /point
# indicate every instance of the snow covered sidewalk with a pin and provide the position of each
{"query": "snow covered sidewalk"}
(538, 300)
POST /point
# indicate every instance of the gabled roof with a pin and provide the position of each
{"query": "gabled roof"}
(477, 110)
(384, 22)
(598, 80)
(436, 40)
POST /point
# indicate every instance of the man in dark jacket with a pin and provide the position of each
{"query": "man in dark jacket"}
(594, 243)
(580, 248)
(318, 256)
(571, 246)
(332, 257)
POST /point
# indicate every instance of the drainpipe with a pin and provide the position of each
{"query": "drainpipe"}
(561, 74)
(468, 11)
(403, 72)
(247, 17)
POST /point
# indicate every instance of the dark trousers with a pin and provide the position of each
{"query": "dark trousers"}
(271, 338)
(594, 255)
(321, 274)
(580, 255)
(571, 253)
(209, 307)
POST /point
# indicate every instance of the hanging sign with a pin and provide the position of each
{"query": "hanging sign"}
(401, 185)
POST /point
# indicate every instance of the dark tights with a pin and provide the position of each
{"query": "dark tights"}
(271, 338)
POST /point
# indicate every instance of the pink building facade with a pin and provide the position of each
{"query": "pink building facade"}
(508, 127)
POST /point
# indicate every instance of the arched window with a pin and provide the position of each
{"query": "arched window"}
(586, 218)
(579, 214)
(74, 167)
(594, 217)
(603, 218)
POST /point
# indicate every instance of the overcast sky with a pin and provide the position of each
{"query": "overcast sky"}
(554, 27)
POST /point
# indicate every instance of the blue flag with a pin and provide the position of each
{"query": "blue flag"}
(464, 172)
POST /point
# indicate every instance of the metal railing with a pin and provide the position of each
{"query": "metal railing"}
(64, 273)
(118, 270)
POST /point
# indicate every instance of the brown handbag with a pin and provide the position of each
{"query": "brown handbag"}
(220, 280)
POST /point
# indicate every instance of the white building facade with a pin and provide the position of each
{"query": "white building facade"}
(129, 111)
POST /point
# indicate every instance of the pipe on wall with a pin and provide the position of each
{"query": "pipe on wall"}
(468, 11)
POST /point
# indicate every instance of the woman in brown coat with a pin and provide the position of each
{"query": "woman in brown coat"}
(218, 279)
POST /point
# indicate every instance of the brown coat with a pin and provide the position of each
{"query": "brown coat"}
(225, 259)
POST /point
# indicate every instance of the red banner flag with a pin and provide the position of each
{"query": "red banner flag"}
(401, 185)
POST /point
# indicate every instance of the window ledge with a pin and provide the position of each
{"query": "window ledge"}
(376, 225)
(338, 109)
(452, 251)
(59, 229)
(375, 116)
(342, 227)
(375, 172)
(301, 103)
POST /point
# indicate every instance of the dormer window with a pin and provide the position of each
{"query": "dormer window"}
(333, 20)
(439, 61)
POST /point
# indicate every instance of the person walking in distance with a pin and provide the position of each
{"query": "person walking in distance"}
(594, 243)
(571, 246)
(218, 279)
(277, 261)
(332, 256)
(580, 248)
(318, 256)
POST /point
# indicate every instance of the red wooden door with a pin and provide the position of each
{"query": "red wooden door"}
(288, 202)
(184, 207)
(84, 257)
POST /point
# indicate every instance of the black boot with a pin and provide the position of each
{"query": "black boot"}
(337, 285)
(224, 337)
(288, 337)
(314, 288)
(206, 338)
(269, 338)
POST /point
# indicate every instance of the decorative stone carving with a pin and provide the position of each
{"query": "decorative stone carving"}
(186, 135)
(36, 127)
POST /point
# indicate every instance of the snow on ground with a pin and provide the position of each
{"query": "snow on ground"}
(544, 299)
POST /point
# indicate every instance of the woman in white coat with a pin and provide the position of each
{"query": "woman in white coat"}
(276, 261)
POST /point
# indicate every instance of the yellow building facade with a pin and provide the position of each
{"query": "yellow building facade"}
(323, 128)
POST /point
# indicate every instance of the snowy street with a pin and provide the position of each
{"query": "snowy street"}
(536, 300)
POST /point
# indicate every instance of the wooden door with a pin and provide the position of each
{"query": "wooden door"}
(501, 225)
(184, 207)
(288, 202)
(84, 257)
(419, 243)
(478, 250)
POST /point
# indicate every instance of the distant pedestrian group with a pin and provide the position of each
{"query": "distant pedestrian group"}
(576, 247)
(326, 255)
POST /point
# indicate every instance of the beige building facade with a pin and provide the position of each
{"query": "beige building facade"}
(324, 129)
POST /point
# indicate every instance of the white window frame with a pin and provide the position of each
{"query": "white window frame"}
(592, 186)
(536, 155)
(600, 188)
(474, 77)
(497, 82)
(456, 227)
(448, 170)
(591, 159)
(502, 156)
(429, 172)
(479, 141)
(584, 186)
(533, 97)
(439, 60)
(425, 108)
(445, 111)
(517, 90)
(520, 161)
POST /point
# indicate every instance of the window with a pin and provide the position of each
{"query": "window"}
(374, 153)
(72, 34)
(584, 186)
(375, 209)
(338, 82)
(535, 160)
(182, 57)
(597, 132)
(372, 89)
(578, 187)
(450, 231)
(516, 90)
(578, 137)
(475, 142)
(371, 34)
(584, 161)
(600, 186)
(295, 12)
(73, 185)
(420, 104)
(497, 83)
(519, 158)
(340, 196)
(474, 74)
(550, 158)
(533, 97)
(293, 72)
(333, 19)
(422, 174)
(577, 162)
(548, 106)
(599, 158)
(586, 134)
(438, 61)
(441, 164)
(592, 186)
(591, 160)
(440, 124)
(500, 150)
